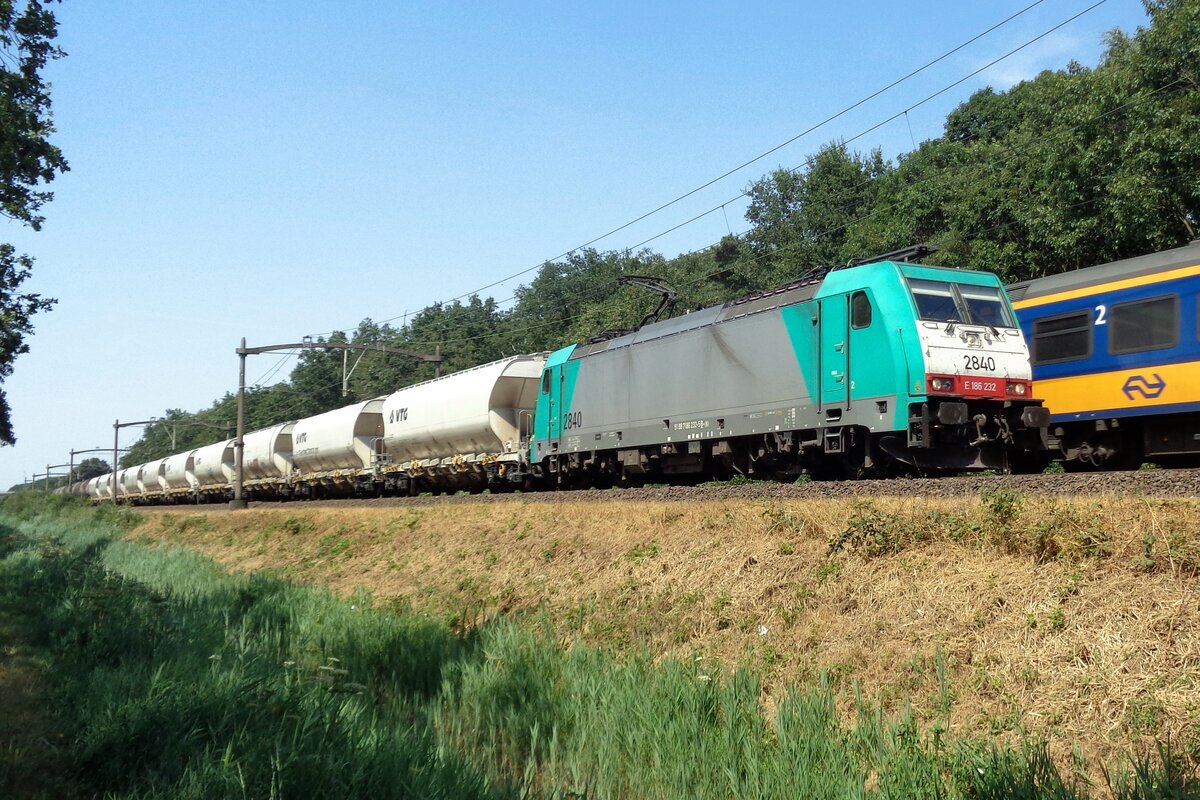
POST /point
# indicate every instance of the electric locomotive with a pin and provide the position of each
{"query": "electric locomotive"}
(1116, 357)
(861, 370)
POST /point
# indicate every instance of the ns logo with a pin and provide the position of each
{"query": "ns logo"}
(398, 415)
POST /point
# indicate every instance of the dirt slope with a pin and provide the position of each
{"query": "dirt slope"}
(1076, 618)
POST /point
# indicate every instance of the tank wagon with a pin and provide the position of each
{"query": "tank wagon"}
(212, 469)
(335, 453)
(179, 477)
(150, 480)
(850, 371)
(1116, 356)
(463, 431)
(267, 461)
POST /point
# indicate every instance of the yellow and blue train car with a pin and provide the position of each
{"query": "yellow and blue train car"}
(1116, 356)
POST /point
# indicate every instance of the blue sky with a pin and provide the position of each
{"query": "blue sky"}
(276, 169)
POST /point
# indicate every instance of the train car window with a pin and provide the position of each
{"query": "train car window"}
(935, 301)
(860, 310)
(1143, 325)
(1062, 338)
(986, 306)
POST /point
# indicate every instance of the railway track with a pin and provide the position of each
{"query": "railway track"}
(1137, 483)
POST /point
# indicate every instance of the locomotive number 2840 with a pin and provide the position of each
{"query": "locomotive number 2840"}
(573, 419)
(979, 362)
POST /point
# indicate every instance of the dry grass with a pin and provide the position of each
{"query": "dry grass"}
(1075, 619)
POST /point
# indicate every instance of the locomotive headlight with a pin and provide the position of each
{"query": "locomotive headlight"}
(941, 384)
(1019, 389)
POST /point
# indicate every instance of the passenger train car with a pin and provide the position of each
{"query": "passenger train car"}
(1116, 357)
(842, 373)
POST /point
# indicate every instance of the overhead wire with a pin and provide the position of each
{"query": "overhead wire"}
(272, 370)
(904, 113)
(759, 157)
(979, 169)
(810, 160)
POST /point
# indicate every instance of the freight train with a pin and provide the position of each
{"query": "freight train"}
(864, 370)
(1116, 357)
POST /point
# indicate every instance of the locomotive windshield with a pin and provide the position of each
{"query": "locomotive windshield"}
(941, 301)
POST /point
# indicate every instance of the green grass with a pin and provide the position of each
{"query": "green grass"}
(174, 679)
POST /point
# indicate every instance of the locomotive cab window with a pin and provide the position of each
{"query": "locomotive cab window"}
(935, 301)
(546, 382)
(860, 310)
(1143, 325)
(941, 301)
(1065, 337)
(986, 306)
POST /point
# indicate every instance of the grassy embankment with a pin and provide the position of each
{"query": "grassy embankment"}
(168, 677)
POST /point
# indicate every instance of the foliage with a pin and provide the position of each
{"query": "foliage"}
(90, 468)
(27, 161)
(16, 312)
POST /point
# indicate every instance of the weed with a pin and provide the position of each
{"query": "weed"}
(873, 532)
(331, 545)
(1002, 507)
(640, 551)
(1054, 468)
(1057, 619)
(1145, 561)
(550, 550)
(1144, 714)
(292, 525)
(721, 602)
(828, 569)
(783, 520)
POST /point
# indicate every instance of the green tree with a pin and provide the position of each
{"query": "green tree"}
(802, 218)
(90, 468)
(27, 161)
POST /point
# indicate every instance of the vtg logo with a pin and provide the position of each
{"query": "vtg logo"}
(398, 415)
(1149, 390)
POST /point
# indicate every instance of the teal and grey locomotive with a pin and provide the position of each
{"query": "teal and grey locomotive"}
(856, 371)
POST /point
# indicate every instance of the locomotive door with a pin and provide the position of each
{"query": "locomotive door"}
(835, 353)
(553, 420)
